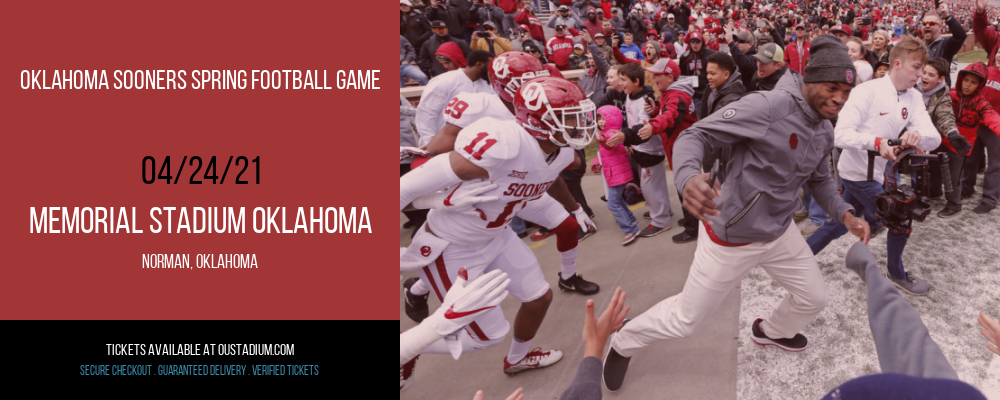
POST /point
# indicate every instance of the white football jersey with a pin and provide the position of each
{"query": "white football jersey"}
(436, 95)
(518, 167)
(466, 108)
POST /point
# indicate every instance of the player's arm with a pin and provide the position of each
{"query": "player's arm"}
(444, 140)
(443, 171)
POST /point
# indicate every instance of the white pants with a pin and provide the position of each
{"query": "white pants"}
(715, 271)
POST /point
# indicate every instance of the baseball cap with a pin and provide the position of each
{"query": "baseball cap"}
(842, 28)
(670, 16)
(591, 11)
(560, 27)
(407, 2)
(598, 34)
(530, 47)
(563, 8)
(525, 27)
(578, 46)
(745, 37)
(800, 26)
(665, 66)
(489, 23)
(693, 35)
(438, 24)
(770, 53)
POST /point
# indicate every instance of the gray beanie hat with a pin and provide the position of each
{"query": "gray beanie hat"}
(656, 46)
(829, 62)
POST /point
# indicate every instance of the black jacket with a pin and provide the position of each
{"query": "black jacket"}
(730, 92)
(415, 27)
(746, 63)
(453, 16)
(693, 64)
(766, 84)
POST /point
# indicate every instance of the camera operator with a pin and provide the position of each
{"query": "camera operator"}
(877, 112)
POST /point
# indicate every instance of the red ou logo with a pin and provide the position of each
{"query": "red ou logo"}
(904, 113)
(425, 251)
(793, 141)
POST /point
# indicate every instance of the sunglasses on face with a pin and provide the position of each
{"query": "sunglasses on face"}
(534, 51)
(695, 41)
(489, 29)
(930, 23)
(439, 29)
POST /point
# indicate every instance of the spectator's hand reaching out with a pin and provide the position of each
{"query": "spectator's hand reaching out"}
(615, 140)
(646, 131)
(991, 330)
(981, 5)
(597, 330)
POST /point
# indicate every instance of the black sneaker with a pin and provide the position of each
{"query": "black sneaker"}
(652, 230)
(949, 212)
(582, 234)
(797, 343)
(684, 237)
(523, 235)
(576, 283)
(982, 208)
(646, 215)
(604, 199)
(416, 306)
(615, 365)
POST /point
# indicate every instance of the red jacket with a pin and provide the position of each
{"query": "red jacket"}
(509, 6)
(558, 49)
(533, 23)
(987, 36)
(676, 114)
(792, 56)
(972, 110)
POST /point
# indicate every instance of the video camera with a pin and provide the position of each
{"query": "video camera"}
(901, 203)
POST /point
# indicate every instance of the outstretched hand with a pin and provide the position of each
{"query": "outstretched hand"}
(991, 330)
(981, 5)
(858, 226)
(597, 330)
(646, 131)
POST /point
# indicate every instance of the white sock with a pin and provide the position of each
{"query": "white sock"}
(420, 288)
(568, 263)
(518, 350)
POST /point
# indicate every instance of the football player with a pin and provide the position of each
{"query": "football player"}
(507, 73)
(437, 93)
(521, 159)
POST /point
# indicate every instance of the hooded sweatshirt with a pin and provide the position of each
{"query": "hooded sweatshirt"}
(676, 114)
(615, 163)
(730, 91)
(778, 142)
(453, 52)
(972, 110)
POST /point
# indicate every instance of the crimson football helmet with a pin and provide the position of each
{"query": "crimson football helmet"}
(512, 68)
(548, 105)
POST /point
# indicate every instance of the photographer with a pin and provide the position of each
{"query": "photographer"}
(877, 112)
(748, 220)
(565, 17)
(488, 40)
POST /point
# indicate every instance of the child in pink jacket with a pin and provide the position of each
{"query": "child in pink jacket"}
(617, 171)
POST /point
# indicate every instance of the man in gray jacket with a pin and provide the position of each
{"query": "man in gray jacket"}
(777, 140)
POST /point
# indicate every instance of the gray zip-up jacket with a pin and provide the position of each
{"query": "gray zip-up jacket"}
(777, 142)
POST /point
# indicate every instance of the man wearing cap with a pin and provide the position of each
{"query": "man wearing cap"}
(602, 44)
(565, 17)
(616, 20)
(454, 16)
(494, 44)
(797, 52)
(842, 32)
(560, 46)
(487, 11)
(742, 49)
(592, 24)
(770, 68)
(671, 25)
(681, 10)
(430, 48)
(530, 23)
(777, 140)
(693, 64)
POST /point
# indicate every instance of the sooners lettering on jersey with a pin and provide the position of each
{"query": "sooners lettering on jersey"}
(501, 148)
(466, 108)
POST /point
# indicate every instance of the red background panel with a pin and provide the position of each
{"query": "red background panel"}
(84, 148)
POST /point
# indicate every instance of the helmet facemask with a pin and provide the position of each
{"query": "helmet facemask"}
(578, 124)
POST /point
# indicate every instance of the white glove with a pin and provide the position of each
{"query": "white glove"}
(407, 152)
(461, 198)
(465, 302)
(581, 218)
